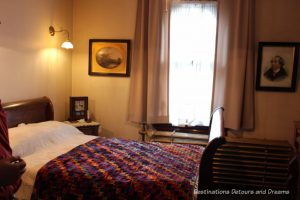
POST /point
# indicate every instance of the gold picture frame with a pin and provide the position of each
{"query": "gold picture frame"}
(109, 57)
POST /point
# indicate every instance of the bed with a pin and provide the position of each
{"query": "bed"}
(63, 163)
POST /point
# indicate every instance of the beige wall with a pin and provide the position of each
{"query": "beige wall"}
(108, 96)
(277, 21)
(31, 62)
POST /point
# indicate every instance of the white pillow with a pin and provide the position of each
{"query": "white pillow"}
(27, 139)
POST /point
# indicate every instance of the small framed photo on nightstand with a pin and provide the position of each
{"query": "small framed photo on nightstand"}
(78, 108)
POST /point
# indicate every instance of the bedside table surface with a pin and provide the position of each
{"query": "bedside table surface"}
(79, 124)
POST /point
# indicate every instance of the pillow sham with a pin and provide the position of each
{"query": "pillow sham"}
(27, 139)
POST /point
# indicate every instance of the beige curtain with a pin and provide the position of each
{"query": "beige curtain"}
(148, 101)
(234, 74)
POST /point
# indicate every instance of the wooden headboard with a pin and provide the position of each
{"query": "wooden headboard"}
(28, 111)
(216, 125)
(216, 139)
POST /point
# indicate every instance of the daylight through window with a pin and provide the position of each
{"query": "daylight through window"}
(192, 51)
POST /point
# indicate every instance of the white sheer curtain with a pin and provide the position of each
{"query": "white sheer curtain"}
(192, 52)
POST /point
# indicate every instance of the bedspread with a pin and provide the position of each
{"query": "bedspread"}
(120, 169)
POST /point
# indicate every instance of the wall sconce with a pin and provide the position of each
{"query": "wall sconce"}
(66, 44)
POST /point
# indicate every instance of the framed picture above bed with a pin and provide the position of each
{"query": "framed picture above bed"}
(277, 65)
(78, 108)
(109, 57)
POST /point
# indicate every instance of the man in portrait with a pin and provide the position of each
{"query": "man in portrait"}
(276, 72)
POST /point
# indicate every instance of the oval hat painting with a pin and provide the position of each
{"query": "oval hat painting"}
(109, 57)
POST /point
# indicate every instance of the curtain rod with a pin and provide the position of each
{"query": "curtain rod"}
(199, 0)
(192, 1)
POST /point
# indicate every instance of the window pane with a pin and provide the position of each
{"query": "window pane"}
(192, 49)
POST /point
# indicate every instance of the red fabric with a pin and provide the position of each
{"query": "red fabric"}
(5, 152)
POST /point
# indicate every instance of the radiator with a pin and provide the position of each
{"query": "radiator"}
(179, 137)
(249, 163)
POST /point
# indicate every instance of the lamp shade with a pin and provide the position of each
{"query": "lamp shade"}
(67, 45)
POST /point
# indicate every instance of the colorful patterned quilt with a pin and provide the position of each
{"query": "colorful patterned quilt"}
(120, 169)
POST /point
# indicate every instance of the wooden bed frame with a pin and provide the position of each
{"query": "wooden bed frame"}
(28, 111)
(41, 109)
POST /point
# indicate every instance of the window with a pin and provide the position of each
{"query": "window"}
(192, 52)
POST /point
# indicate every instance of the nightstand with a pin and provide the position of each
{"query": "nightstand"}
(88, 128)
